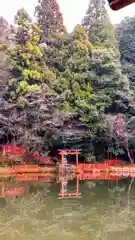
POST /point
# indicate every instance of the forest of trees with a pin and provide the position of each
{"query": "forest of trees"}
(60, 89)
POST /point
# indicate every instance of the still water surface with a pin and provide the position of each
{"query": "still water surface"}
(106, 211)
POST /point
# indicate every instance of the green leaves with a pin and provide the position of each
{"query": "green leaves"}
(126, 38)
(31, 74)
(25, 58)
(22, 18)
(70, 79)
(97, 24)
(75, 80)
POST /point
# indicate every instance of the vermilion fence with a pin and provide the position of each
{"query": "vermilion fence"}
(6, 149)
(98, 166)
(17, 151)
(113, 161)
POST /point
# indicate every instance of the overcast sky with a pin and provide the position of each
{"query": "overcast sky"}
(73, 10)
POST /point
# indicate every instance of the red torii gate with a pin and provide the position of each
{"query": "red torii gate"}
(64, 182)
(67, 152)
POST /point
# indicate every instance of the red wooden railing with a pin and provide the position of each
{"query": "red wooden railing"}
(8, 150)
(98, 166)
(113, 161)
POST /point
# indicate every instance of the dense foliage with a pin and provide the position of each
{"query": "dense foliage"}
(67, 90)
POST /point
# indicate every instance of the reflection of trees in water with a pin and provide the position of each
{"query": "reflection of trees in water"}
(35, 216)
(21, 217)
(42, 187)
(122, 207)
(112, 210)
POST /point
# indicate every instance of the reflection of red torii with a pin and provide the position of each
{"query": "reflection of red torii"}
(63, 191)
(64, 181)
(82, 177)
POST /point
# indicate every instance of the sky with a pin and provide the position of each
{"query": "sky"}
(73, 10)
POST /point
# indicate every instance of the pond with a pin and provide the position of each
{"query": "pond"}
(105, 211)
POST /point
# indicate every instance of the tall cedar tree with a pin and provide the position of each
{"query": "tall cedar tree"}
(126, 38)
(105, 70)
(28, 69)
(49, 19)
(53, 33)
(75, 80)
(4, 43)
(97, 24)
(108, 80)
(34, 118)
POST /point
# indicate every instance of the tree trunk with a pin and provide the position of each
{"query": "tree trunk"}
(129, 155)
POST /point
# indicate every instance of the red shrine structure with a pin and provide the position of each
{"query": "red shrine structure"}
(64, 167)
(64, 189)
(64, 162)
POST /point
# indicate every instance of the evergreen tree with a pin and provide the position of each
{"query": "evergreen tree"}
(4, 30)
(50, 20)
(108, 80)
(28, 70)
(30, 95)
(5, 34)
(53, 34)
(97, 24)
(64, 83)
(75, 80)
(126, 38)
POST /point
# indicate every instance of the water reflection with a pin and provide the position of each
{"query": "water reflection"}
(105, 211)
(19, 184)
(64, 193)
